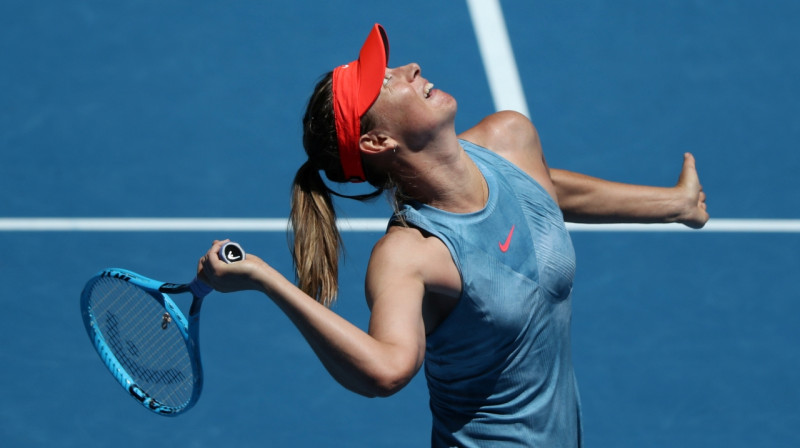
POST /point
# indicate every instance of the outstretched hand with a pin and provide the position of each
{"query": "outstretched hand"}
(694, 212)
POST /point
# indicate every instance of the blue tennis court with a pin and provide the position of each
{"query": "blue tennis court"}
(164, 110)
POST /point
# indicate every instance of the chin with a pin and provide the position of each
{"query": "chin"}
(444, 99)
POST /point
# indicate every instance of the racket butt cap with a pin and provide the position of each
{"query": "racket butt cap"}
(231, 252)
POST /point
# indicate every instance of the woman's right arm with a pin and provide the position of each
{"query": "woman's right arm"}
(374, 363)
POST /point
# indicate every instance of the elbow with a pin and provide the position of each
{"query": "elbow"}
(380, 373)
(390, 386)
(384, 381)
(386, 384)
(376, 389)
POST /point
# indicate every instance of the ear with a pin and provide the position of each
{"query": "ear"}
(375, 143)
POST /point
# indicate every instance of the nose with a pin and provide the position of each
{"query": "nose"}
(411, 71)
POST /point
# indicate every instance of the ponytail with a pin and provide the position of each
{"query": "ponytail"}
(317, 242)
(315, 249)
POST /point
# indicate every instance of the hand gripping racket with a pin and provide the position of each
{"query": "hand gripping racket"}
(148, 345)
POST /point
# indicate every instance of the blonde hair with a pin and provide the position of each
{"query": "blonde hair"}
(317, 243)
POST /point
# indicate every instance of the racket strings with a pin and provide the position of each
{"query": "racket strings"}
(144, 340)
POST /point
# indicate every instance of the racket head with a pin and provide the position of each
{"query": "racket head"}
(144, 339)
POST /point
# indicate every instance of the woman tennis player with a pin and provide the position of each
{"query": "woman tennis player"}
(474, 274)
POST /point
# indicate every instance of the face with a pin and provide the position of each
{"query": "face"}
(410, 109)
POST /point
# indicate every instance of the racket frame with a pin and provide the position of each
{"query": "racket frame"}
(189, 329)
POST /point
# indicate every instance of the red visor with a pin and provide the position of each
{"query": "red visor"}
(355, 87)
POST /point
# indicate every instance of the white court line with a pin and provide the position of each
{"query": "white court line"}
(172, 224)
(498, 58)
(346, 225)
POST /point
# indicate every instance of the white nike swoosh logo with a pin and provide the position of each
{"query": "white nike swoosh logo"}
(231, 256)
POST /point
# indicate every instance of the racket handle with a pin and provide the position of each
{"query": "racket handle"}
(200, 288)
(231, 252)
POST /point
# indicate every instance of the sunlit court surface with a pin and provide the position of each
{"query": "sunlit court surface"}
(133, 134)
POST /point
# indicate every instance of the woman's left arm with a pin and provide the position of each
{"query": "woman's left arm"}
(586, 199)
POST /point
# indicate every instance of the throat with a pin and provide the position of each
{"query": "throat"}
(466, 194)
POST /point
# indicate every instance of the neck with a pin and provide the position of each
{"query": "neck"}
(446, 178)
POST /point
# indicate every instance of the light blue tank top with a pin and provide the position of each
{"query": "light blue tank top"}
(499, 367)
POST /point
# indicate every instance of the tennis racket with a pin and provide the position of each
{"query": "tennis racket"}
(148, 345)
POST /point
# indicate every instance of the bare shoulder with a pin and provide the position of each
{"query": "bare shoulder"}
(513, 136)
(505, 133)
(409, 255)
(412, 273)
(407, 249)
(397, 239)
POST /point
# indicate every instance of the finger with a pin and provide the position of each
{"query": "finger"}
(688, 173)
(215, 247)
(208, 259)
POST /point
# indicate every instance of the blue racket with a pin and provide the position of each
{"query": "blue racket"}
(148, 345)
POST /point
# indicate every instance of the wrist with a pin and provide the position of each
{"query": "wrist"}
(676, 209)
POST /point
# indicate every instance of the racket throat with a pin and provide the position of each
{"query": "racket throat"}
(194, 310)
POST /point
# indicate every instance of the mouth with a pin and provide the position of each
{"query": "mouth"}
(427, 90)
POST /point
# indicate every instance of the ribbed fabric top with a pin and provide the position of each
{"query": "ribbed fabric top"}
(499, 367)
